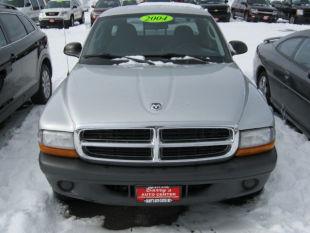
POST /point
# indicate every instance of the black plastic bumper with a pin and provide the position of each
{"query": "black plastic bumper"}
(221, 17)
(262, 18)
(115, 185)
(59, 23)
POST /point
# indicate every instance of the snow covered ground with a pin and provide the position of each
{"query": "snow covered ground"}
(27, 204)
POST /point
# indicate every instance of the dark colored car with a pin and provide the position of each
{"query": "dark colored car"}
(102, 6)
(219, 9)
(254, 10)
(25, 67)
(296, 11)
(282, 70)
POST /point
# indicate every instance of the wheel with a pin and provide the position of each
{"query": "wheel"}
(246, 17)
(263, 85)
(45, 88)
(292, 20)
(233, 13)
(82, 20)
(244, 199)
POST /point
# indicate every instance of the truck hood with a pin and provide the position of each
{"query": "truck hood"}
(102, 95)
(55, 10)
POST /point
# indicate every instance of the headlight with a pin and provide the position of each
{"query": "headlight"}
(57, 143)
(63, 13)
(256, 141)
(300, 12)
(254, 11)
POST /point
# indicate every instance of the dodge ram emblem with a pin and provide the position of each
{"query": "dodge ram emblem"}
(156, 106)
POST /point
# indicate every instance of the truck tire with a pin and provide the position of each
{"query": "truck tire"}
(82, 20)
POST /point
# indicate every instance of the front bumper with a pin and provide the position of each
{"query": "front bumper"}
(115, 185)
(58, 22)
(262, 17)
(224, 17)
(302, 19)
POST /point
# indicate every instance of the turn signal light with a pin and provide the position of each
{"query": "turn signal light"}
(66, 153)
(255, 150)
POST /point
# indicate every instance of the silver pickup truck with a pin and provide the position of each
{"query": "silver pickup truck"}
(156, 112)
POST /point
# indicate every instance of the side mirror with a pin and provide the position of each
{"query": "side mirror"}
(27, 4)
(238, 47)
(73, 49)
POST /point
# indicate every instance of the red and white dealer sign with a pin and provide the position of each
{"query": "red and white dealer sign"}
(158, 194)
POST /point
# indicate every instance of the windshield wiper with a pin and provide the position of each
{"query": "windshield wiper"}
(110, 57)
(184, 56)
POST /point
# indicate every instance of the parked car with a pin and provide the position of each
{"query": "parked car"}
(254, 10)
(61, 14)
(282, 71)
(31, 8)
(141, 130)
(102, 6)
(25, 66)
(219, 9)
(296, 11)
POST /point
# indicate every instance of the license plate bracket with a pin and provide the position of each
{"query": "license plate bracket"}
(158, 194)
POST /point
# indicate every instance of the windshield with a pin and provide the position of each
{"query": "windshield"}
(129, 2)
(157, 35)
(107, 4)
(259, 2)
(58, 4)
(301, 2)
(16, 3)
(211, 1)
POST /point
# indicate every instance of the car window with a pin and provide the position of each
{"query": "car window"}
(2, 39)
(41, 2)
(35, 4)
(58, 4)
(16, 3)
(28, 25)
(289, 47)
(107, 4)
(13, 26)
(302, 56)
(150, 35)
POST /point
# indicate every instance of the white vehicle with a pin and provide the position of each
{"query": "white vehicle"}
(31, 8)
(61, 13)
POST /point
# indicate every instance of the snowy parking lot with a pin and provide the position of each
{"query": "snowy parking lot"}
(27, 203)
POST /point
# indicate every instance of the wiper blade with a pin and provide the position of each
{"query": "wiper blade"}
(185, 56)
(110, 57)
(103, 55)
(139, 60)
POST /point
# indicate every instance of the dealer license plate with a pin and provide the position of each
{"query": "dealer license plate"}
(158, 194)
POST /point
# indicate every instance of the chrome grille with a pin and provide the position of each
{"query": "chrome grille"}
(52, 13)
(155, 145)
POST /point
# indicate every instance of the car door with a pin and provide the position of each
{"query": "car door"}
(31, 58)
(299, 86)
(280, 67)
(7, 73)
(17, 34)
